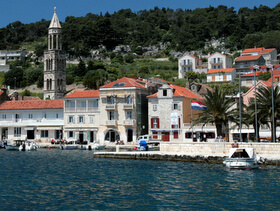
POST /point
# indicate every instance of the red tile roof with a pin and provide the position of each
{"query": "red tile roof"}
(181, 92)
(246, 58)
(32, 104)
(83, 94)
(253, 50)
(275, 72)
(124, 82)
(267, 50)
(226, 70)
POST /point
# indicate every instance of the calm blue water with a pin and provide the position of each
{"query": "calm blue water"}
(73, 180)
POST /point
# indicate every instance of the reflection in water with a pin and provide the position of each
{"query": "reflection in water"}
(57, 179)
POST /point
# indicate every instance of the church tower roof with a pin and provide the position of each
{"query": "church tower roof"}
(55, 22)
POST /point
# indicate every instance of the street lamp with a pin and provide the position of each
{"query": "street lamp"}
(256, 68)
(273, 132)
(240, 123)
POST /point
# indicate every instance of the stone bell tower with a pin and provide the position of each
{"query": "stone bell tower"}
(54, 63)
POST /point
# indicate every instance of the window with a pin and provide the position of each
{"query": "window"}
(71, 119)
(111, 115)
(155, 135)
(129, 100)
(71, 134)
(45, 115)
(175, 106)
(17, 131)
(154, 107)
(17, 117)
(30, 116)
(175, 135)
(44, 133)
(81, 119)
(91, 119)
(155, 123)
(4, 116)
(164, 92)
(111, 100)
(129, 115)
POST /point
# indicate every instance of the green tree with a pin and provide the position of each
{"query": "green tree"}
(264, 99)
(219, 110)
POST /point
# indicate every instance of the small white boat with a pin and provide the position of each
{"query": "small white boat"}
(242, 158)
(92, 146)
(69, 146)
(29, 146)
(15, 145)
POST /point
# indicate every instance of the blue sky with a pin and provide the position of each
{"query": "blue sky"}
(28, 11)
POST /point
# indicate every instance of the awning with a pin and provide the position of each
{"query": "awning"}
(49, 128)
(29, 128)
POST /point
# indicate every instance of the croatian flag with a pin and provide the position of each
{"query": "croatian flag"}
(197, 105)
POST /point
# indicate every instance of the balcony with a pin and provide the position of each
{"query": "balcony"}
(216, 61)
(186, 64)
(128, 106)
(111, 107)
(111, 123)
(79, 109)
(129, 122)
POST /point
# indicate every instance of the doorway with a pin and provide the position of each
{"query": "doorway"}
(129, 135)
(165, 136)
(30, 134)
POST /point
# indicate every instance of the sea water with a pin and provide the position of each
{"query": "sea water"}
(74, 180)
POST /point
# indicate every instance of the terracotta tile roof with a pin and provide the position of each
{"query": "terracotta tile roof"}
(275, 72)
(267, 50)
(247, 58)
(32, 104)
(83, 94)
(253, 50)
(226, 70)
(124, 82)
(181, 92)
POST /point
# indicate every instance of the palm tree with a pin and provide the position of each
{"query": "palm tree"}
(264, 98)
(219, 110)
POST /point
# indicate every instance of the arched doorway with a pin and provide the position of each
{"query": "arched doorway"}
(129, 135)
(112, 136)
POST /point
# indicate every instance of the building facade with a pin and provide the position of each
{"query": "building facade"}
(170, 116)
(54, 63)
(219, 61)
(188, 63)
(40, 120)
(221, 75)
(123, 108)
(82, 116)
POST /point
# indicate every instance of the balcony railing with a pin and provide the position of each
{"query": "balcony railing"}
(111, 107)
(216, 61)
(111, 122)
(128, 106)
(81, 109)
(182, 63)
(129, 122)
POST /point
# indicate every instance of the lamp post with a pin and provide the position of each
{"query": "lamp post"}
(240, 123)
(272, 101)
(256, 68)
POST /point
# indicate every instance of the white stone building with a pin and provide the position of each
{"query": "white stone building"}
(123, 111)
(40, 120)
(188, 63)
(82, 116)
(219, 61)
(221, 75)
(170, 116)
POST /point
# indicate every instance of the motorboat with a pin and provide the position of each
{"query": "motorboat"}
(4, 143)
(29, 146)
(15, 145)
(92, 146)
(69, 145)
(242, 158)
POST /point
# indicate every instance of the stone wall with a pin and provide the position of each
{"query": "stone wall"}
(218, 148)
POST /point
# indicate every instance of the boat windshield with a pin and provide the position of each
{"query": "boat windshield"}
(240, 153)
